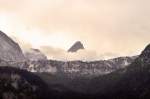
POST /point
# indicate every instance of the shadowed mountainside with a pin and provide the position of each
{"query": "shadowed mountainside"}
(20, 84)
(130, 82)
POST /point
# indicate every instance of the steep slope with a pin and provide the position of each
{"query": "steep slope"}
(20, 84)
(9, 50)
(75, 47)
(131, 82)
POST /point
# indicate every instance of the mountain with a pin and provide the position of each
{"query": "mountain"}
(78, 68)
(131, 82)
(20, 84)
(119, 78)
(10, 50)
(11, 55)
(75, 47)
(145, 56)
(35, 55)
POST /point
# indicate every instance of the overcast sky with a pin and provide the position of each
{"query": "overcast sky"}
(114, 27)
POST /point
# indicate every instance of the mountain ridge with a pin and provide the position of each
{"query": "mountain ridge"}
(10, 50)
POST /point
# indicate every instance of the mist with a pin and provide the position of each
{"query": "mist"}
(109, 27)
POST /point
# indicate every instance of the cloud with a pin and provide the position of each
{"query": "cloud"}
(84, 55)
(60, 54)
(111, 26)
(54, 53)
(23, 45)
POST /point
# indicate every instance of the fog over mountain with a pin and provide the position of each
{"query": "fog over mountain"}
(103, 26)
(62, 54)
(74, 49)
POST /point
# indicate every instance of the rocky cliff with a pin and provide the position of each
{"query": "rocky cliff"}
(10, 50)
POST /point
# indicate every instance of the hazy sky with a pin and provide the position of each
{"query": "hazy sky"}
(111, 27)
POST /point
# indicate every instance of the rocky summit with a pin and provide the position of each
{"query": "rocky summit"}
(77, 46)
(10, 50)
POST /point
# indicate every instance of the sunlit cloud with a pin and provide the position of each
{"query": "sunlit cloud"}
(110, 26)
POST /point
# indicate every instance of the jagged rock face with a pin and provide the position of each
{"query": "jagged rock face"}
(146, 52)
(79, 68)
(35, 55)
(77, 46)
(43, 66)
(145, 56)
(10, 50)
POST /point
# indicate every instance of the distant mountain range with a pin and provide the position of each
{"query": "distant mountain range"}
(129, 82)
(35, 61)
(34, 77)
(78, 68)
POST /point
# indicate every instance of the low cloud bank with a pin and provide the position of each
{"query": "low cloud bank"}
(61, 54)
(84, 55)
